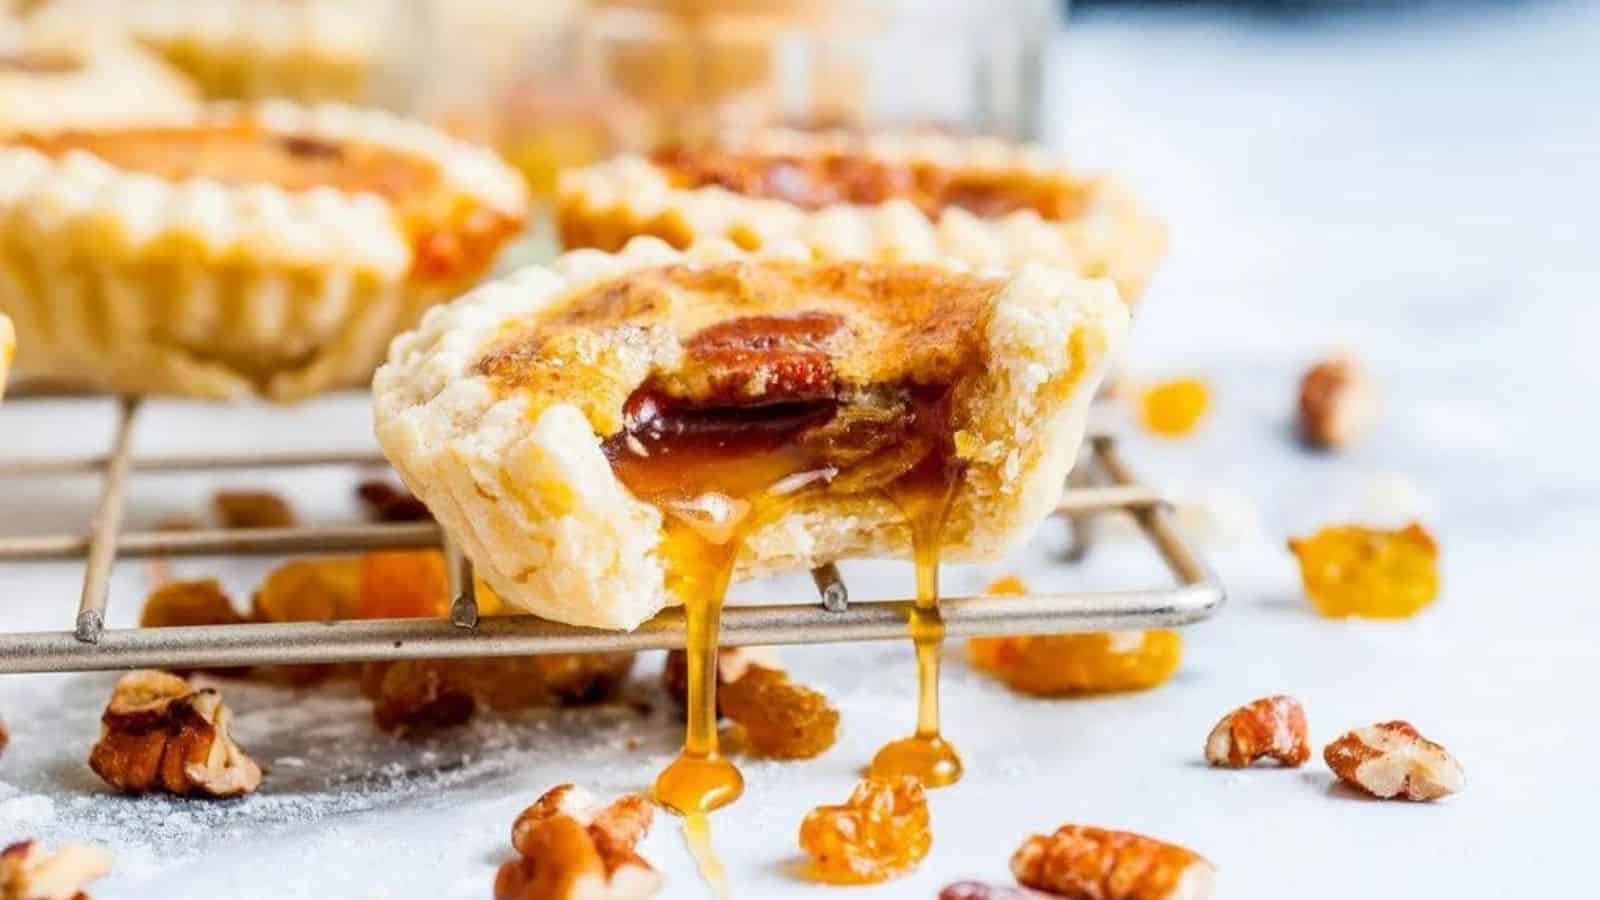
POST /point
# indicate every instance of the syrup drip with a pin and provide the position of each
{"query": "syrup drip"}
(697, 834)
(925, 755)
(701, 779)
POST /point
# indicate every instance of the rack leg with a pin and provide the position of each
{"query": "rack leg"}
(103, 529)
(463, 594)
(1080, 527)
(830, 584)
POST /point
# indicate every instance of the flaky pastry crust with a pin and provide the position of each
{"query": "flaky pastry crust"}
(518, 476)
(211, 283)
(1102, 232)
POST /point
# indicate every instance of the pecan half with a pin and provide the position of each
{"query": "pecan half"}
(1086, 863)
(1391, 759)
(1269, 728)
(1337, 404)
(28, 872)
(161, 734)
(575, 849)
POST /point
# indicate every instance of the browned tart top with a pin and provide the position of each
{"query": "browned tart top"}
(814, 182)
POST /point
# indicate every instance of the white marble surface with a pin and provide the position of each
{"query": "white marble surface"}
(1418, 186)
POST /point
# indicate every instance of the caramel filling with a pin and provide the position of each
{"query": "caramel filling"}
(451, 236)
(820, 181)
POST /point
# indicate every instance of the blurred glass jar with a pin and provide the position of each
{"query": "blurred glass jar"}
(632, 74)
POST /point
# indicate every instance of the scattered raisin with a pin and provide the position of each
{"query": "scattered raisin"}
(881, 832)
(1373, 573)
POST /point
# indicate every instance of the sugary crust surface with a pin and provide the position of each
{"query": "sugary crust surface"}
(214, 289)
(520, 480)
(1111, 236)
(56, 82)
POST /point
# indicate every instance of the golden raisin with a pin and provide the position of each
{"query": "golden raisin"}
(1374, 573)
(189, 603)
(418, 694)
(1008, 584)
(1173, 408)
(403, 584)
(780, 719)
(183, 603)
(387, 503)
(415, 696)
(252, 509)
(881, 832)
(1054, 665)
(308, 590)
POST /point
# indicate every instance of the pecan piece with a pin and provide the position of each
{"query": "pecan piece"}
(572, 848)
(28, 872)
(1269, 728)
(1391, 759)
(1082, 862)
(159, 733)
(1337, 403)
(983, 890)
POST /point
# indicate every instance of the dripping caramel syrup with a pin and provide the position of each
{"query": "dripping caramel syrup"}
(925, 755)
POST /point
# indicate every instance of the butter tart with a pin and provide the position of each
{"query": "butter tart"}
(561, 422)
(271, 249)
(50, 81)
(305, 50)
(983, 201)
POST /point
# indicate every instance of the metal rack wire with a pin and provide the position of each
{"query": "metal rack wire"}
(1102, 484)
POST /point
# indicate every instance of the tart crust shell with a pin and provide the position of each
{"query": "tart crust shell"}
(524, 487)
(216, 290)
(604, 205)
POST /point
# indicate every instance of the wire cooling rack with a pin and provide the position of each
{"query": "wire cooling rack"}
(1101, 484)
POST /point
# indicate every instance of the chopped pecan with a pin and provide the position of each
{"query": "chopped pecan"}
(1391, 759)
(575, 849)
(1086, 863)
(1337, 403)
(159, 733)
(1269, 728)
(27, 872)
(252, 509)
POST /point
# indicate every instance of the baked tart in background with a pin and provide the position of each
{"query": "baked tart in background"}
(305, 50)
(50, 81)
(980, 200)
(8, 350)
(571, 425)
(271, 249)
